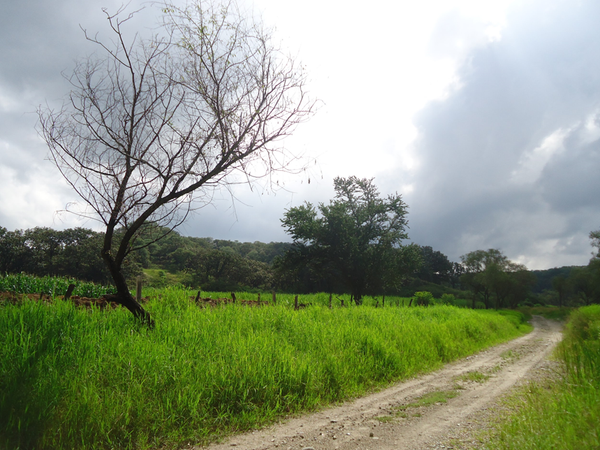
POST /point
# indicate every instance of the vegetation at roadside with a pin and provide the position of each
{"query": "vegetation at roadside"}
(475, 376)
(84, 378)
(430, 399)
(549, 312)
(564, 414)
(426, 400)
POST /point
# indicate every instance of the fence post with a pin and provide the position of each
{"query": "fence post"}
(330, 295)
(296, 302)
(70, 290)
(274, 297)
(138, 289)
(198, 296)
(258, 297)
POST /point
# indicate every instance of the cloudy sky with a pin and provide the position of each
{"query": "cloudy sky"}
(484, 115)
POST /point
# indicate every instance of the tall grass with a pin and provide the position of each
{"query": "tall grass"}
(72, 378)
(564, 415)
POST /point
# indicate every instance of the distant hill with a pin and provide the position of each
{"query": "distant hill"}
(544, 277)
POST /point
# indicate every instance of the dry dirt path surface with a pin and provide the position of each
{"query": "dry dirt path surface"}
(383, 420)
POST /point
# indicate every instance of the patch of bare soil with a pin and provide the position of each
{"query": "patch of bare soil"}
(208, 301)
(105, 301)
(399, 417)
(12, 297)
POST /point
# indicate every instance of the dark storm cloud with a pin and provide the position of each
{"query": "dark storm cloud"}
(39, 41)
(31, 33)
(570, 181)
(474, 186)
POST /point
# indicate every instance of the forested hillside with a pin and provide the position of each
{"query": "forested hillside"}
(165, 257)
(544, 277)
(211, 263)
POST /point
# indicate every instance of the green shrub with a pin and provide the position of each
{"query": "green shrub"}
(423, 298)
(448, 299)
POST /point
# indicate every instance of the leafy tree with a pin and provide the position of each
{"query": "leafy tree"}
(455, 273)
(355, 240)
(595, 238)
(436, 267)
(14, 255)
(583, 284)
(41, 251)
(475, 264)
(153, 126)
(491, 275)
(222, 270)
(522, 281)
(79, 256)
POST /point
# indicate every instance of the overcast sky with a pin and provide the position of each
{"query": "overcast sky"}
(485, 116)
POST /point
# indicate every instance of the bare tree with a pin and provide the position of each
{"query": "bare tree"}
(152, 126)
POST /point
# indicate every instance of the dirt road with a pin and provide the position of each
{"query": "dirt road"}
(395, 419)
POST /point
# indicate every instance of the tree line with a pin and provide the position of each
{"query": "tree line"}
(486, 277)
(212, 264)
(206, 263)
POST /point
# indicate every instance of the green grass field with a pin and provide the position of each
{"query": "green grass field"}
(73, 378)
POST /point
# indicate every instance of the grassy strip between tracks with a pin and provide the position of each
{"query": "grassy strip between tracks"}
(75, 378)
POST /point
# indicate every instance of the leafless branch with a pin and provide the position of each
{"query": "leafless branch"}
(153, 125)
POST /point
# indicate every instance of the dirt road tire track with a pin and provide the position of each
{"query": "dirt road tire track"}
(358, 424)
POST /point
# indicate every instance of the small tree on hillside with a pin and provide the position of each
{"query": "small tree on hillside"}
(356, 239)
(152, 126)
(475, 264)
(490, 274)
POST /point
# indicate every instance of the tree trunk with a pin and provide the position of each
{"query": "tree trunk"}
(123, 296)
(560, 302)
(128, 301)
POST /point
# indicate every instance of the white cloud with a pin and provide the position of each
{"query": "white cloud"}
(532, 163)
